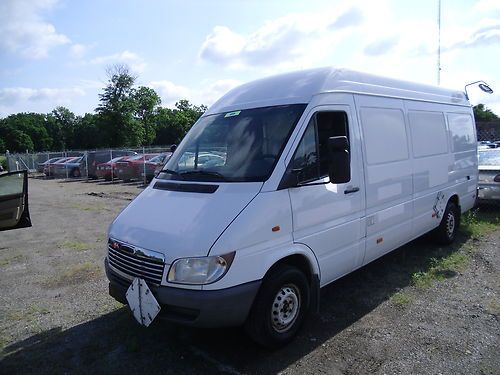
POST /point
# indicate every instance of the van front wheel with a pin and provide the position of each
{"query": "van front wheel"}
(280, 307)
(446, 232)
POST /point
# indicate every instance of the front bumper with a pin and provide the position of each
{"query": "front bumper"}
(127, 174)
(197, 308)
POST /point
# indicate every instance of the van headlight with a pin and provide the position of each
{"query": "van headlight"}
(201, 270)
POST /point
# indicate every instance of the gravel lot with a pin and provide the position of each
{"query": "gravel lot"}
(420, 309)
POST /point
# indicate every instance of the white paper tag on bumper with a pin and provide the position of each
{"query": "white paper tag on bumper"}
(142, 302)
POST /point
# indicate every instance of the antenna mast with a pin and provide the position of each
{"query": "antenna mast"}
(439, 45)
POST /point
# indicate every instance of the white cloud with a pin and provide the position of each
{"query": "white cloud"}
(286, 42)
(136, 63)
(169, 92)
(381, 46)
(77, 51)
(18, 99)
(24, 30)
(487, 5)
(210, 91)
(485, 33)
(13, 95)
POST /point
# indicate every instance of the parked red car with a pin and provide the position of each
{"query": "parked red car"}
(132, 168)
(155, 164)
(108, 170)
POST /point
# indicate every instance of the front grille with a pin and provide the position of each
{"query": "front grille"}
(135, 263)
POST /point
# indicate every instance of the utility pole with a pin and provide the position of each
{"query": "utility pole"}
(439, 45)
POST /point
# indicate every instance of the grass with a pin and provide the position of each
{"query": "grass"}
(12, 259)
(400, 299)
(74, 275)
(29, 314)
(474, 225)
(88, 207)
(76, 245)
(3, 162)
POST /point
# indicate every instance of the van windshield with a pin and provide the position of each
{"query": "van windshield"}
(234, 146)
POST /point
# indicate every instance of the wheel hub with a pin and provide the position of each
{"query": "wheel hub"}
(450, 225)
(285, 309)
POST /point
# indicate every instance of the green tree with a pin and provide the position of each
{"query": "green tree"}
(86, 132)
(173, 124)
(31, 125)
(60, 127)
(484, 114)
(147, 104)
(116, 111)
(13, 139)
(168, 129)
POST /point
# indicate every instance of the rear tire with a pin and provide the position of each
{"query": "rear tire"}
(446, 232)
(75, 173)
(280, 307)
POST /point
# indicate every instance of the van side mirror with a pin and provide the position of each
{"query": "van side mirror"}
(173, 148)
(339, 169)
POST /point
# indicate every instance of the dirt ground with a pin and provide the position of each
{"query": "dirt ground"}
(421, 309)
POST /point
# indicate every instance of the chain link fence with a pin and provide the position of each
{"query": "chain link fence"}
(491, 135)
(137, 164)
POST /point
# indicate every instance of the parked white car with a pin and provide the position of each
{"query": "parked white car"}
(489, 175)
(323, 172)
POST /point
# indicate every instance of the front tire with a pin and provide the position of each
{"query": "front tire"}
(446, 232)
(75, 173)
(280, 307)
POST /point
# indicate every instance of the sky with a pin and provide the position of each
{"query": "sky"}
(55, 52)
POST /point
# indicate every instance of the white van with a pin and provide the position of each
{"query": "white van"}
(285, 185)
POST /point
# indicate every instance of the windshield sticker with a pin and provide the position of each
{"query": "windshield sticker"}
(232, 114)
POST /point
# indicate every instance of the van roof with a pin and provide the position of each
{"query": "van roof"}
(301, 86)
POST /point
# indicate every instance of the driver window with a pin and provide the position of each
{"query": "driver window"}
(304, 161)
(314, 143)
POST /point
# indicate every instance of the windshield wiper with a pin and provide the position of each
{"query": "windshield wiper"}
(170, 171)
(202, 173)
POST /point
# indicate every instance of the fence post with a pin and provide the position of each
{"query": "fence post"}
(111, 165)
(144, 163)
(87, 165)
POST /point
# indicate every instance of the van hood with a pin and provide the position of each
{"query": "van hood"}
(179, 223)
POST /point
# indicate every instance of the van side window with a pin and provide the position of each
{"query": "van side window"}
(314, 143)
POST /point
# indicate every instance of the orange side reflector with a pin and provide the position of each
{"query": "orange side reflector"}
(276, 228)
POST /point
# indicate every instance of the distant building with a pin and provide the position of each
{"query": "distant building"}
(488, 131)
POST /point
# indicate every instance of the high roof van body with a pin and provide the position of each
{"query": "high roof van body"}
(283, 186)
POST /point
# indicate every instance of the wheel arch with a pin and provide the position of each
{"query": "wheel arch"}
(455, 199)
(309, 267)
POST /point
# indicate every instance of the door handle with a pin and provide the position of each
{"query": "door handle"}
(351, 190)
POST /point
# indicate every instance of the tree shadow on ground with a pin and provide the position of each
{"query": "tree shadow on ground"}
(114, 343)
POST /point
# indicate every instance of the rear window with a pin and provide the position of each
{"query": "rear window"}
(138, 157)
(462, 132)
